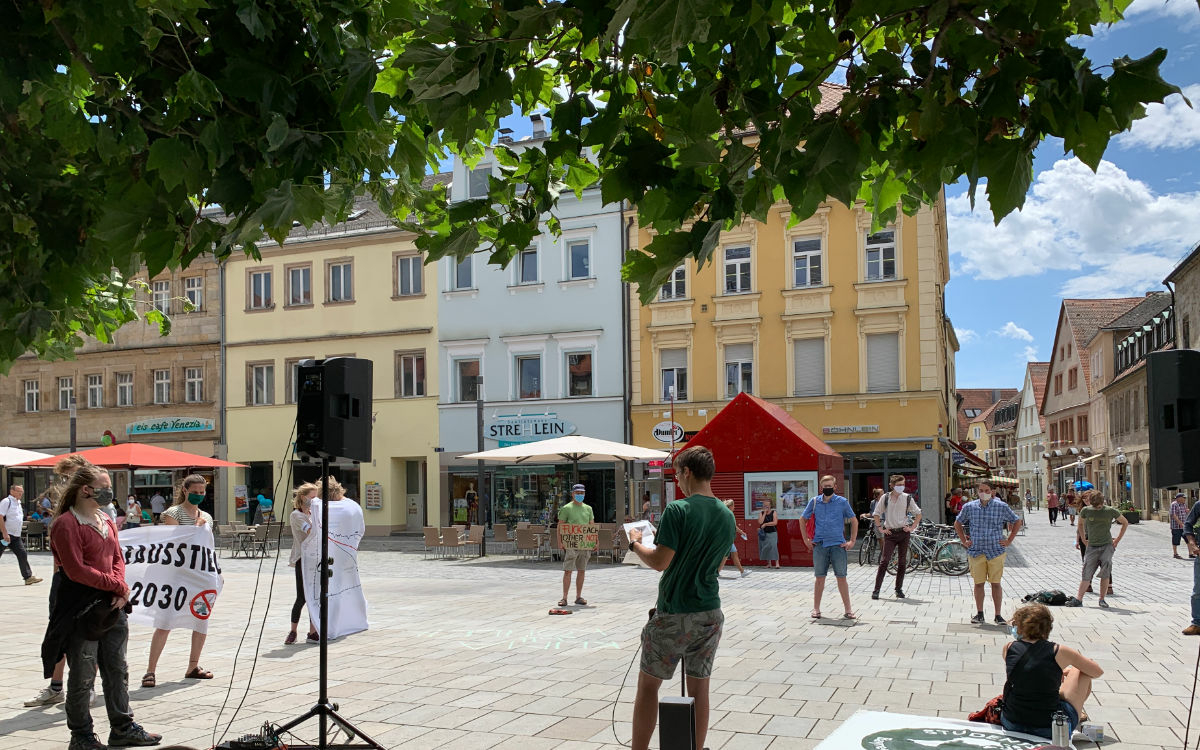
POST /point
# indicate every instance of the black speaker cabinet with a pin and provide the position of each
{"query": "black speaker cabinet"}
(1173, 400)
(333, 408)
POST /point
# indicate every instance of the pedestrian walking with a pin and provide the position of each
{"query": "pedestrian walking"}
(1096, 541)
(829, 512)
(158, 504)
(1189, 535)
(898, 515)
(576, 560)
(1028, 501)
(1178, 515)
(88, 619)
(1072, 506)
(1052, 507)
(768, 537)
(733, 553)
(980, 527)
(693, 538)
(133, 512)
(301, 524)
(13, 515)
(185, 512)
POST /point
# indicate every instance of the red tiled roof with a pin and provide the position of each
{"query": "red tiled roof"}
(831, 97)
(978, 398)
(1038, 376)
(1087, 317)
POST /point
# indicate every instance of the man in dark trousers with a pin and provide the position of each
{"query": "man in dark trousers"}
(694, 536)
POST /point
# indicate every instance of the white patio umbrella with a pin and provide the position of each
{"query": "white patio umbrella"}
(12, 456)
(573, 448)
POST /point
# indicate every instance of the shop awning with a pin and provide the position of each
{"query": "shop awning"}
(961, 456)
(1076, 462)
(1002, 481)
(11, 456)
(136, 456)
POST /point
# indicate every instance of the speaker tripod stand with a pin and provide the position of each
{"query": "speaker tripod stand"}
(325, 712)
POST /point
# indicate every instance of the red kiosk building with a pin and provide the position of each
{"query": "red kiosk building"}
(763, 453)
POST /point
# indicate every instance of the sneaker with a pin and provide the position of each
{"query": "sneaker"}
(1072, 602)
(90, 742)
(291, 638)
(874, 594)
(978, 619)
(899, 593)
(1192, 630)
(745, 573)
(32, 580)
(133, 736)
(1000, 620)
(47, 697)
(313, 638)
(1103, 604)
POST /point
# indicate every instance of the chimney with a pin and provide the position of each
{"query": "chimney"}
(539, 126)
(505, 135)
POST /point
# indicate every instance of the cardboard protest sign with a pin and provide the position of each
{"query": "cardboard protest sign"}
(579, 535)
(879, 730)
(173, 576)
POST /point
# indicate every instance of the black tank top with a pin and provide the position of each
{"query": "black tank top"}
(767, 519)
(1033, 697)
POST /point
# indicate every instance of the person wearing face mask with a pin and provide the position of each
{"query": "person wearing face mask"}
(891, 513)
(13, 518)
(133, 513)
(830, 512)
(88, 616)
(576, 512)
(185, 512)
(980, 527)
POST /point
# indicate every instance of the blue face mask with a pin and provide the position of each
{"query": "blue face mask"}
(579, 498)
(1013, 631)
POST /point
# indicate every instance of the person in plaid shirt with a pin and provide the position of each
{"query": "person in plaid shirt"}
(980, 526)
(1179, 511)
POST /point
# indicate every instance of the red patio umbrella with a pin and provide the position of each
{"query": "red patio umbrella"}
(136, 456)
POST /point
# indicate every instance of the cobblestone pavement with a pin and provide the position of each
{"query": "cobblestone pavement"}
(461, 654)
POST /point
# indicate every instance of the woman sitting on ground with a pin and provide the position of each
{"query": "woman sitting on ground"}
(1052, 678)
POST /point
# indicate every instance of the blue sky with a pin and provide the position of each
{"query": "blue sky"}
(1116, 232)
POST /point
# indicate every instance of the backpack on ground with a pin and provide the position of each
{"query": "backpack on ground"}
(1053, 598)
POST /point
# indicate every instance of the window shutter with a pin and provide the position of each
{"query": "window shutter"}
(883, 362)
(735, 352)
(673, 358)
(809, 358)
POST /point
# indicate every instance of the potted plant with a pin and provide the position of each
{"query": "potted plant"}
(1131, 512)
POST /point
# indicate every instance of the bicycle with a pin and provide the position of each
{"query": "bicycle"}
(948, 557)
(868, 550)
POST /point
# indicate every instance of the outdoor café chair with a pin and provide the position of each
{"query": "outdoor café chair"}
(500, 536)
(475, 537)
(451, 541)
(527, 543)
(432, 541)
(604, 544)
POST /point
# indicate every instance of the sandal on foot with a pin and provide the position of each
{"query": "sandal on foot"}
(148, 680)
(291, 638)
(581, 601)
(562, 602)
(196, 673)
(816, 614)
(849, 616)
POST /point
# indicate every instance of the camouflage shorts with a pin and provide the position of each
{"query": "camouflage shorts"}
(692, 636)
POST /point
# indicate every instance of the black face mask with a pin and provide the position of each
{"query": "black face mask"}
(827, 491)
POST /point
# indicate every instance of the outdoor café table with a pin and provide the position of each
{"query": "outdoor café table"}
(243, 541)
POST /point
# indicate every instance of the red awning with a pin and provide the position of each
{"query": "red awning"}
(969, 456)
(136, 456)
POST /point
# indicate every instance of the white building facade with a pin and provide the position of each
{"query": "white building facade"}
(1031, 431)
(547, 336)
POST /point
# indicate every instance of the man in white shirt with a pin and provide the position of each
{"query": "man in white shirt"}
(14, 514)
(158, 504)
(891, 514)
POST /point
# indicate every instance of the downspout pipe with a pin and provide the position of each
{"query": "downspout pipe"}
(221, 495)
(627, 346)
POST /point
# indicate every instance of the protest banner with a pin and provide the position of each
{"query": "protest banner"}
(347, 604)
(173, 576)
(579, 535)
(880, 730)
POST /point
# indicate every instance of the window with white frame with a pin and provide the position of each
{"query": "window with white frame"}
(462, 274)
(162, 386)
(66, 393)
(341, 282)
(467, 377)
(193, 384)
(808, 356)
(411, 366)
(299, 280)
(676, 286)
(883, 362)
(193, 290)
(409, 279)
(95, 391)
(260, 290)
(529, 376)
(673, 368)
(806, 261)
(291, 376)
(579, 374)
(477, 181)
(527, 266)
(124, 389)
(262, 385)
(881, 255)
(737, 270)
(579, 259)
(739, 369)
(161, 296)
(33, 396)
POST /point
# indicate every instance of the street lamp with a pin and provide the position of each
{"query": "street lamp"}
(482, 512)
(1037, 478)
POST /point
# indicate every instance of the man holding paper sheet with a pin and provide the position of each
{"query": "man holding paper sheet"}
(694, 535)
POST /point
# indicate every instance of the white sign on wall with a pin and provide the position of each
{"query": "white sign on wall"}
(511, 430)
(664, 430)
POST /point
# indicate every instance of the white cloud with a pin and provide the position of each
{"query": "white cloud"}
(966, 335)
(1108, 228)
(1013, 331)
(1030, 354)
(1184, 12)
(1171, 125)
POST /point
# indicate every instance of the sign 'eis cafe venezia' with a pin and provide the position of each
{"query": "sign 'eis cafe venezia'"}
(162, 425)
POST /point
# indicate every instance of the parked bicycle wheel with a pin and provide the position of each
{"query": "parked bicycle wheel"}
(868, 551)
(917, 557)
(951, 558)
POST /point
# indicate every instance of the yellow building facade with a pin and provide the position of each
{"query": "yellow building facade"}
(843, 327)
(355, 289)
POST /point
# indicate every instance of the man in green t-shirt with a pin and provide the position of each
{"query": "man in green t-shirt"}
(576, 511)
(1095, 522)
(693, 539)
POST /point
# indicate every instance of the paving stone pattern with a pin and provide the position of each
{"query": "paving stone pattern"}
(462, 654)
